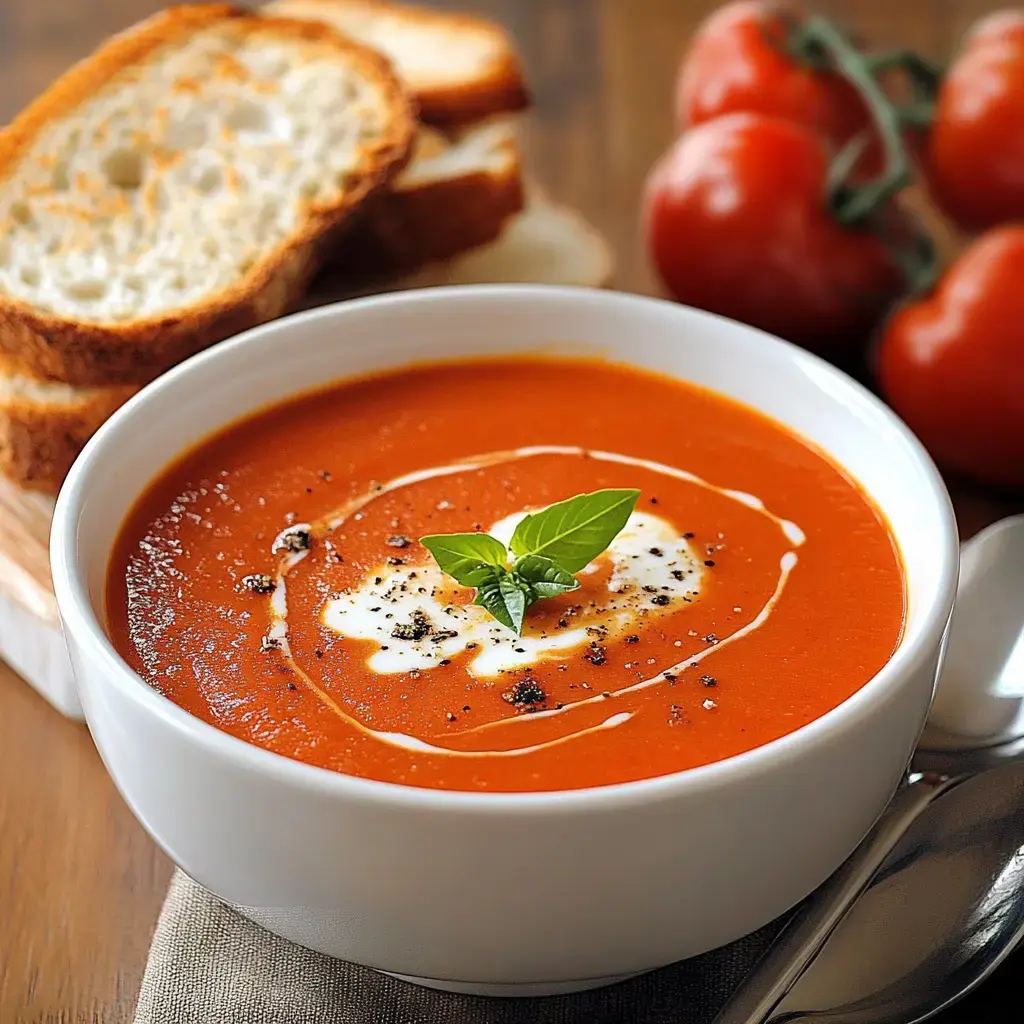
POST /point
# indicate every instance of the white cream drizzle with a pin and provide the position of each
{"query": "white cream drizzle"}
(792, 532)
(399, 739)
(786, 565)
(422, 589)
(278, 632)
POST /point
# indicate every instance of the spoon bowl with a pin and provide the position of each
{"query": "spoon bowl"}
(902, 954)
(980, 698)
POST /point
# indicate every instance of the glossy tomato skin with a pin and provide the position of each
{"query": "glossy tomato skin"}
(975, 164)
(952, 364)
(737, 62)
(736, 222)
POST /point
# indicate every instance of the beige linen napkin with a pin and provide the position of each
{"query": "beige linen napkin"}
(210, 965)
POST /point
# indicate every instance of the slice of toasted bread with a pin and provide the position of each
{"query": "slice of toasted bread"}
(44, 425)
(182, 184)
(455, 194)
(460, 68)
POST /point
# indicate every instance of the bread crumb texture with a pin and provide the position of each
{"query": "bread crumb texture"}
(108, 222)
(190, 184)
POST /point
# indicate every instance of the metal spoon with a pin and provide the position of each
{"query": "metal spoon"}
(978, 704)
(945, 910)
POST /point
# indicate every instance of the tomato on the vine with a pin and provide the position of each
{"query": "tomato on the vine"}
(952, 363)
(739, 62)
(737, 222)
(976, 153)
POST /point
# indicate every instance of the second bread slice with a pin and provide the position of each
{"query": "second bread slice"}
(455, 194)
(45, 424)
(183, 184)
(459, 67)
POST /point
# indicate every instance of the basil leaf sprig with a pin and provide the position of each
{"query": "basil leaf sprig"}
(547, 549)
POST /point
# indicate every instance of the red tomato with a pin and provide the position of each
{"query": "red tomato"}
(976, 154)
(736, 222)
(737, 62)
(952, 364)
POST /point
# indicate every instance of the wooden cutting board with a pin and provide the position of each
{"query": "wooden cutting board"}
(24, 555)
(30, 636)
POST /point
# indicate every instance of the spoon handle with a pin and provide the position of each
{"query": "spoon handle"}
(802, 939)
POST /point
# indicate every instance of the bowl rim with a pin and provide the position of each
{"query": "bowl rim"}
(79, 618)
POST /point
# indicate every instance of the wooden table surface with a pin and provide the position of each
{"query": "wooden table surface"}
(80, 883)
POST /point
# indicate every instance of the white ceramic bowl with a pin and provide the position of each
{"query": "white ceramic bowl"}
(505, 892)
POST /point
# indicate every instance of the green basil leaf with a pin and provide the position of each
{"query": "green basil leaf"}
(469, 558)
(574, 532)
(544, 577)
(503, 597)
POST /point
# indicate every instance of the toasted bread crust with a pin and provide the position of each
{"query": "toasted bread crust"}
(39, 442)
(91, 354)
(501, 90)
(402, 229)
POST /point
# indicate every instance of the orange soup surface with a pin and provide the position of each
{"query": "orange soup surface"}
(272, 582)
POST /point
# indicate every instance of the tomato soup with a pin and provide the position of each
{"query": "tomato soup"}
(272, 582)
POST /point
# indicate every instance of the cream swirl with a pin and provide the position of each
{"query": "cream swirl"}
(352, 608)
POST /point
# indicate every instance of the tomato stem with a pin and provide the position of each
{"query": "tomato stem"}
(917, 115)
(819, 43)
(853, 204)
